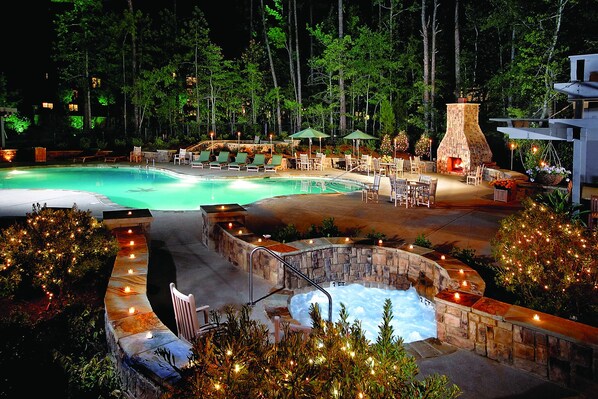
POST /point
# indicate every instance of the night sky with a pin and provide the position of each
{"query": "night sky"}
(26, 31)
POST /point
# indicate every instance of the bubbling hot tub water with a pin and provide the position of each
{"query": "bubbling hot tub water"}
(413, 316)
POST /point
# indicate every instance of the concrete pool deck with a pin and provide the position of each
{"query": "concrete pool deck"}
(465, 216)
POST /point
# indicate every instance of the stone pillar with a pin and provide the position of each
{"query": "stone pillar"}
(211, 215)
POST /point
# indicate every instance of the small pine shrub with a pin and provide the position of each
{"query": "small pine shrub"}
(422, 241)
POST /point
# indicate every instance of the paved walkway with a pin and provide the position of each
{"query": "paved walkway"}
(464, 216)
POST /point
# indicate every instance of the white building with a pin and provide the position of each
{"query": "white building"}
(582, 130)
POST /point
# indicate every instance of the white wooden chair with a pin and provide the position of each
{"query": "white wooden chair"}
(180, 157)
(281, 328)
(426, 195)
(136, 155)
(304, 162)
(400, 192)
(414, 164)
(476, 177)
(398, 166)
(185, 314)
(319, 162)
(370, 191)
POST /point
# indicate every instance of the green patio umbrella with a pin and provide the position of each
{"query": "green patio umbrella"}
(309, 133)
(359, 135)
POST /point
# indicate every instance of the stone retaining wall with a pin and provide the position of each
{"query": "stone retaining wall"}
(557, 349)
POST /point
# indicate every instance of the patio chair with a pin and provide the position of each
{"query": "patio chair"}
(258, 162)
(221, 161)
(593, 215)
(275, 163)
(414, 164)
(180, 157)
(370, 191)
(239, 162)
(88, 155)
(400, 192)
(185, 315)
(319, 162)
(426, 195)
(285, 328)
(398, 166)
(378, 167)
(136, 155)
(202, 160)
(476, 177)
(304, 162)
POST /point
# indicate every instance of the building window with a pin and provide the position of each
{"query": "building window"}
(48, 105)
(96, 82)
(74, 107)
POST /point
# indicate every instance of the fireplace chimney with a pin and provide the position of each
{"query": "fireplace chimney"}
(463, 146)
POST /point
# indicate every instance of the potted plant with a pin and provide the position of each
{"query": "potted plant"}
(548, 175)
(503, 189)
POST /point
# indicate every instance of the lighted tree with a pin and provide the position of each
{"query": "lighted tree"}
(402, 141)
(52, 251)
(386, 145)
(548, 259)
(334, 361)
(422, 146)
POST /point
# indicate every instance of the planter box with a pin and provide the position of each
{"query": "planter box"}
(502, 195)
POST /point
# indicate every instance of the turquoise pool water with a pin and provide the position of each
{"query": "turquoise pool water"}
(163, 190)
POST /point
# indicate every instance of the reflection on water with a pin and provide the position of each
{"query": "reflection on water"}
(163, 190)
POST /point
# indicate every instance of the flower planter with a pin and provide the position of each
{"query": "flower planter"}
(502, 195)
(549, 179)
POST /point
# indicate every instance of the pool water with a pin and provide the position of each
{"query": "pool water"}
(163, 190)
(414, 318)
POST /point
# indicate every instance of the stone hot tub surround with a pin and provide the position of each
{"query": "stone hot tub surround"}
(464, 146)
(557, 349)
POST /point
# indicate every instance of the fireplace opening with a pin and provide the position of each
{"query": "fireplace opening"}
(454, 165)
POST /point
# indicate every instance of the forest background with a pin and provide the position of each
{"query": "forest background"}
(121, 72)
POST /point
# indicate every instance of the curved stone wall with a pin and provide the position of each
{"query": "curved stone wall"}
(557, 349)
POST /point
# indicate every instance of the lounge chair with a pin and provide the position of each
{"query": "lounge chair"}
(275, 163)
(202, 160)
(240, 161)
(221, 161)
(86, 156)
(258, 162)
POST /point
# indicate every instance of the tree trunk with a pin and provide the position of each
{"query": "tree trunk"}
(457, 52)
(548, 76)
(274, 80)
(426, 65)
(298, 67)
(341, 79)
(435, 31)
(136, 113)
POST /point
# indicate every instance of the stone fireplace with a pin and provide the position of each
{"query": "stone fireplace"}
(464, 146)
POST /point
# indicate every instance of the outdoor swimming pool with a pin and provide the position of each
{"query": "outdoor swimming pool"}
(414, 318)
(163, 190)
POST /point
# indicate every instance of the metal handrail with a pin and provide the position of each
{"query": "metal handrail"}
(292, 269)
(345, 172)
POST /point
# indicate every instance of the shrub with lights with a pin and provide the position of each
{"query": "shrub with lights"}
(51, 252)
(422, 146)
(402, 141)
(547, 257)
(238, 360)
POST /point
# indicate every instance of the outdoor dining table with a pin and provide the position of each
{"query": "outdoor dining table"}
(413, 187)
